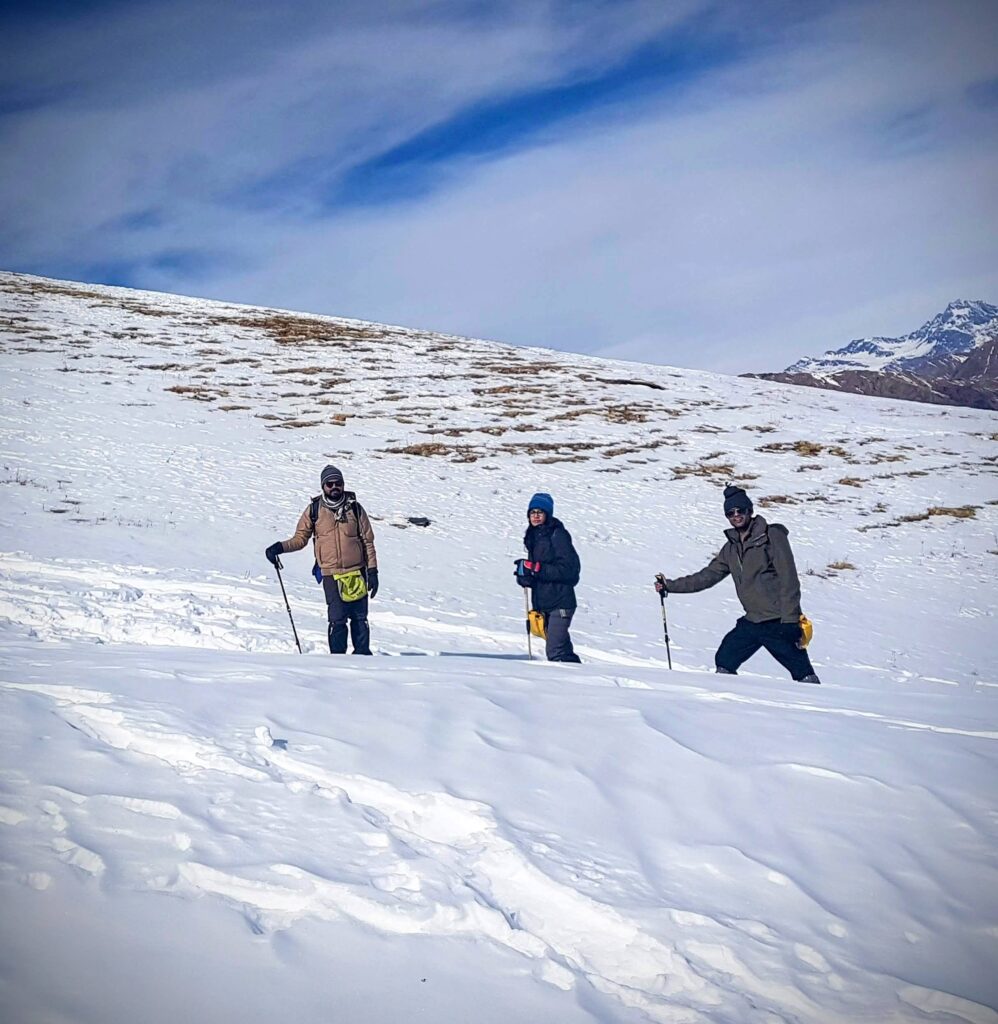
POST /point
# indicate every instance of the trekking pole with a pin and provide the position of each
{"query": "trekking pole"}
(526, 612)
(659, 578)
(277, 566)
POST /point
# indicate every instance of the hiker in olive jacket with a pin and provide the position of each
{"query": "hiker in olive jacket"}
(344, 554)
(758, 558)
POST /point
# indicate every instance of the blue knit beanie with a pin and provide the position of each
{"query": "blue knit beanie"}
(735, 497)
(542, 501)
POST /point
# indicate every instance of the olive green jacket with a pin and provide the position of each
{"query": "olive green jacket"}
(762, 567)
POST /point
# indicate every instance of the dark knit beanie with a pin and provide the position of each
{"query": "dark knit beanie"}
(542, 501)
(330, 473)
(735, 497)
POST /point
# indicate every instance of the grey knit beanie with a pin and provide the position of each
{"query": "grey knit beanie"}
(330, 473)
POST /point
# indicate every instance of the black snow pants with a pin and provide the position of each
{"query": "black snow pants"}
(340, 612)
(747, 637)
(558, 645)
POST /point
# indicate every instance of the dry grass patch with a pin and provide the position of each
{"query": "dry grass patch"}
(705, 469)
(961, 512)
(574, 414)
(426, 449)
(776, 499)
(625, 414)
(841, 566)
(887, 458)
(803, 448)
(957, 512)
(287, 329)
(806, 449)
(199, 394)
(852, 481)
(522, 369)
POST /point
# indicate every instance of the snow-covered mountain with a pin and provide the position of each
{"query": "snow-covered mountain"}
(197, 823)
(957, 330)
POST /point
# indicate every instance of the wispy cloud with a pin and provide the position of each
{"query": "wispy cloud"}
(715, 185)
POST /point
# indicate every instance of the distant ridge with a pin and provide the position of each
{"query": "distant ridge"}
(951, 359)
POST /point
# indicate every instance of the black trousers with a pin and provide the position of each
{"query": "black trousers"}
(747, 637)
(341, 612)
(558, 642)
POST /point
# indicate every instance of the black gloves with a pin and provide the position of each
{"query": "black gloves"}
(372, 582)
(273, 551)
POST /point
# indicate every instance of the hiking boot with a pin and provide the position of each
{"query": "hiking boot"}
(812, 678)
(724, 671)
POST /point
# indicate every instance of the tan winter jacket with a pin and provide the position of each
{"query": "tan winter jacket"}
(340, 544)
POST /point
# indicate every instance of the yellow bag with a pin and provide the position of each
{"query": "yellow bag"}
(351, 585)
(807, 631)
(536, 622)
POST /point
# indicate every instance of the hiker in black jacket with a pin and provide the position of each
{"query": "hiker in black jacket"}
(758, 558)
(551, 571)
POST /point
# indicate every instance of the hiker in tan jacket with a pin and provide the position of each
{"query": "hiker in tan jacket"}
(346, 562)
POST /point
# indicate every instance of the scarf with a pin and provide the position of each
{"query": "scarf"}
(338, 508)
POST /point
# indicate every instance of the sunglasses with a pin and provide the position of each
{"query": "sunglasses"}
(731, 513)
(333, 483)
(537, 512)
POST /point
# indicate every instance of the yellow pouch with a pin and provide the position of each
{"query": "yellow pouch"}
(351, 585)
(807, 630)
(536, 623)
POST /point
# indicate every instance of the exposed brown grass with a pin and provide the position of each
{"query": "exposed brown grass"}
(288, 329)
(957, 512)
(625, 414)
(705, 469)
(199, 394)
(803, 448)
(776, 499)
(806, 449)
(523, 369)
(841, 565)
(426, 449)
(852, 481)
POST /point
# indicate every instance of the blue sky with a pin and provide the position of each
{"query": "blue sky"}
(719, 185)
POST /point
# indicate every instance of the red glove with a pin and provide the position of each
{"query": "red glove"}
(525, 569)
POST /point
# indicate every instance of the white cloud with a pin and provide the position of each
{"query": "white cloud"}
(771, 210)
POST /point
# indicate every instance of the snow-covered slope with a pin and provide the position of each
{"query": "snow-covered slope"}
(957, 330)
(198, 823)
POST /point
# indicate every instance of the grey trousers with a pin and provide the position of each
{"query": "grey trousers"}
(558, 645)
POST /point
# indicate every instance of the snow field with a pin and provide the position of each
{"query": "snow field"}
(196, 821)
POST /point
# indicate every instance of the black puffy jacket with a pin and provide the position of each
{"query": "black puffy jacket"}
(551, 545)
